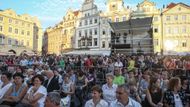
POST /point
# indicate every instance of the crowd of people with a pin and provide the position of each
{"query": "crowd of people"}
(94, 81)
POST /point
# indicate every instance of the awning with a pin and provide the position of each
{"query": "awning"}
(89, 52)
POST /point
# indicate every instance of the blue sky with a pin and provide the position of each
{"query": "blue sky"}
(51, 12)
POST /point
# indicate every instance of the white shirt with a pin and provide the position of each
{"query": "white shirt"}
(109, 94)
(102, 103)
(177, 100)
(4, 89)
(118, 64)
(41, 90)
(132, 103)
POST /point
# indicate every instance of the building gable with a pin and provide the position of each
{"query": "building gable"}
(178, 8)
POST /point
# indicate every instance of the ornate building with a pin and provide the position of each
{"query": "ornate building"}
(60, 37)
(19, 32)
(88, 27)
(116, 12)
(176, 28)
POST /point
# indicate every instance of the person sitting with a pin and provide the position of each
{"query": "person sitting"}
(118, 79)
(153, 94)
(67, 89)
(123, 99)
(36, 94)
(53, 99)
(51, 83)
(5, 84)
(96, 100)
(16, 92)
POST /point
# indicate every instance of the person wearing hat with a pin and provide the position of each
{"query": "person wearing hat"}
(16, 92)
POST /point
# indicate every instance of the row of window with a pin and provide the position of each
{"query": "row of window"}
(88, 22)
(118, 19)
(16, 31)
(176, 17)
(89, 42)
(176, 30)
(90, 32)
(13, 41)
(181, 44)
(16, 22)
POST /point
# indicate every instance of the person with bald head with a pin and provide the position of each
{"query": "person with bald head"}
(52, 83)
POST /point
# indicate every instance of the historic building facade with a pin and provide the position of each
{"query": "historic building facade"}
(19, 32)
(176, 28)
(60, 37)
(88, 27)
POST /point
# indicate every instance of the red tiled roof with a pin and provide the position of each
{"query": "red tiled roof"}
(76, 13)
(171, 5)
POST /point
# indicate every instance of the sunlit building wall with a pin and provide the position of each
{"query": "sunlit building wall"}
(17, 32)
(176, 28)
(60, 37)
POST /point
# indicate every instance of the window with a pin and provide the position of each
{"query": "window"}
(168, 30)
(1, 28)
(103, 21)
(86, 22)
(176, 30)
(83, 42)
(22, 32)
(23, 24)
(9, 41)
(156, 30)
(156, 42)
(117, 19)
(90, 21)
(79, 43)
(95, 21)
(103, 32)
(86, 33)
(176, 17)
(10, 20)
(79, 33)
(117, 39)
(28, 25)
(1, 39)
(184, 17)
(155, 19)
(89, 42)
(10, 29)
(167, 18)
(90, 31)
(124, 19)
(80, 24)
(22, 43)
(95, 31)
(16, 31)
(95, 41)
(16, 22)
(16, 42)
(28, 33)
(184, 43)
(1, 18)
(124, 40)
(28, 43)
(103, 44)
(184, 29)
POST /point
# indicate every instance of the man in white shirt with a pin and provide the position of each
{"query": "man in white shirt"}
(123, 99)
